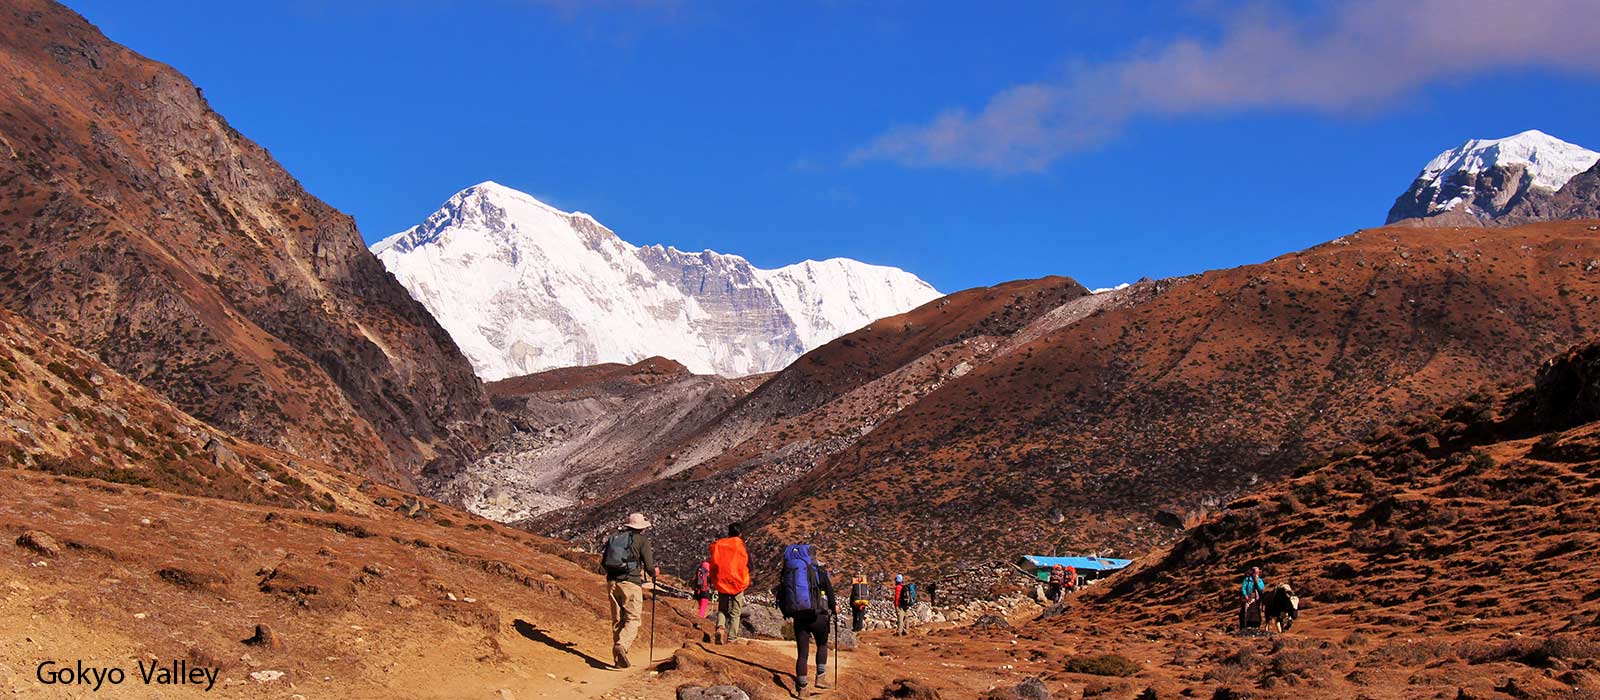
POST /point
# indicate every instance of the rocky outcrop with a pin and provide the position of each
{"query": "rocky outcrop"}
(139, 225)
(1578, 199)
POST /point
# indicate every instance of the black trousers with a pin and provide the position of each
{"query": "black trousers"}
(858, 617)
(809, 626)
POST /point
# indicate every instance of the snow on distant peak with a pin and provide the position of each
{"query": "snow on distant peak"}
(522, 286)
(1549, 161)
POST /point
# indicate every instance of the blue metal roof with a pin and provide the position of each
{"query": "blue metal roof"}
(1079, 563)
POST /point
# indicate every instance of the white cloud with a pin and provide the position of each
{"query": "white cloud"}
(1356, 56)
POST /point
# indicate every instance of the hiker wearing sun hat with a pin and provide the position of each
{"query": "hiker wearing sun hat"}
(627, 560)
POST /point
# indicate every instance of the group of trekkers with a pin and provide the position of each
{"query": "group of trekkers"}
(804, 594)
(1063, 580)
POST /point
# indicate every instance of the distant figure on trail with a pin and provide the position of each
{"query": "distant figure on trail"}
(933, 593)
(627, 560)
(905, 598)
(805, 595)
(1250, 592)
(702, 586)
(1071, 578)
(730, 576)
(1281, 608)
(1058, 583)
(859, 599)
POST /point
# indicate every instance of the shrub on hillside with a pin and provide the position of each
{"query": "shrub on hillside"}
(1102, 665)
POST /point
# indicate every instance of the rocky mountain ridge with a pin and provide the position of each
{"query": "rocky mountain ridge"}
(140, 226)
(525, 287)
(1518, 179)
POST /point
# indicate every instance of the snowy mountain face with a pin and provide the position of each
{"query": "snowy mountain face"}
(523, 287)
(1493, 180)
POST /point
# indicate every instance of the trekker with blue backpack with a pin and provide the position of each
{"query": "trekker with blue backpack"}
(805, 595)
(905, 599)
(627, 560)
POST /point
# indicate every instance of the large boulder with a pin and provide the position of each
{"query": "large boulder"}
(716, 692)
(39, 542)
(762, 620)
(846, 636)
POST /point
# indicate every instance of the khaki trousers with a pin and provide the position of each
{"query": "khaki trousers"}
(729, 608)
(627, 611)
(902, 618)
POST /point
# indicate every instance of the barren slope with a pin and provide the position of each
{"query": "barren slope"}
(1070, 442)
(1450, 556)
(140, 226)
(585, 433)
(818, 406)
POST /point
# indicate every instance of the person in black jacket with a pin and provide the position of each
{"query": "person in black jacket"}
(814, 626)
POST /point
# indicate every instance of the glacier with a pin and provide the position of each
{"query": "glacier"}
(522, 287)
(1548, 161)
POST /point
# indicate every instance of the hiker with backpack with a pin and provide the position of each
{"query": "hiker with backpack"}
(905, 598)
(627, 560)
(859, 600)
(702, 586)
(1058, 582)
(730, 576)
(805, 595)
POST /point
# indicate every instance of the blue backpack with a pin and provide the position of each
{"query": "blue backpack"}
(797, 587)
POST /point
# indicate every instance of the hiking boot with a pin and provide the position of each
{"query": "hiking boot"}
(721, 636)
(821, 682)
(800, 690)
(619, 656)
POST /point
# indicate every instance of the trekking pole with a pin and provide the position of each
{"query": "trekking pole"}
(836, 660)
(655, 588)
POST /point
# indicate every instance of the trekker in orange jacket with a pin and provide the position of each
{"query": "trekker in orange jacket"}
(730, 576)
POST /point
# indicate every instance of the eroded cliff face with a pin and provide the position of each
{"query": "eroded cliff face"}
(138, 225)
(1578, 199)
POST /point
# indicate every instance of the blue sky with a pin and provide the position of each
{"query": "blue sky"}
(1104, 141)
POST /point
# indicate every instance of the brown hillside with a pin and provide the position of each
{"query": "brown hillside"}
(1451, 556)
(817, 407)
(651, 370)
(65, 412)
(1481, 517)
(1070, 442)
(140, 226)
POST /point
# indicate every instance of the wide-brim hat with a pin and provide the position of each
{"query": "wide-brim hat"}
(636, 521)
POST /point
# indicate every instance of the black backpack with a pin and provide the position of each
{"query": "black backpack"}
(618, 558)
(908, 596)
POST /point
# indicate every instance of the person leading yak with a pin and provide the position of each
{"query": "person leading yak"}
(1250, 591)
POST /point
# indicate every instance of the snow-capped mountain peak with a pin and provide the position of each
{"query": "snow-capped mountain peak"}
(1547, 161)
(523, 286)
(1492, 180)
